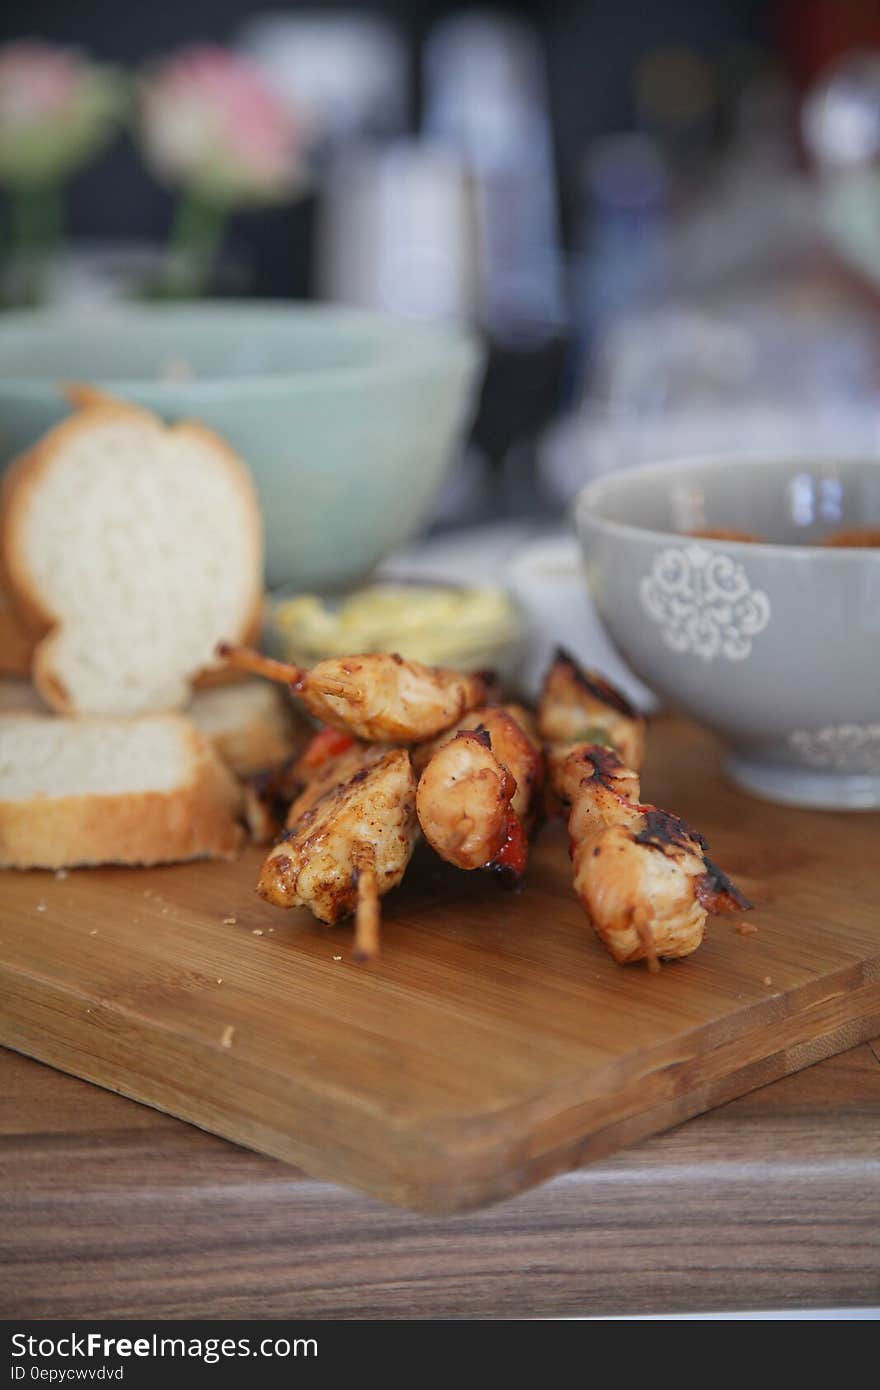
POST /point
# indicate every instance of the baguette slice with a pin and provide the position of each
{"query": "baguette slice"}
(252, 724)
(82, 395)
(133, 548)
(112, 791)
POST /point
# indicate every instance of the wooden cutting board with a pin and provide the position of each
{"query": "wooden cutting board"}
(494, 1043)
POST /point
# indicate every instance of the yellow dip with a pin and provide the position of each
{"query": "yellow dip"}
(438, 624)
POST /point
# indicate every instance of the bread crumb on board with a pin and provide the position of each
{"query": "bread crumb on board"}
(227, 1035)
(61, 874)
(41, 905)
(746, 928)
(768, 979)
(229, 921)
(256, 931)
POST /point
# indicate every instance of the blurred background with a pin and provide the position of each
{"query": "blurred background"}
(662, 220)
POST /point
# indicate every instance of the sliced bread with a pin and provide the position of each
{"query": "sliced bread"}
(134, 548)
(252, 725)
(150, 790)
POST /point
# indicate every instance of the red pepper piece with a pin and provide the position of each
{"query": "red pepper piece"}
(327, 743)
(510, 861)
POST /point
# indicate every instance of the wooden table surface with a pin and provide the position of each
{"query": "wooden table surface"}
(110, 1209)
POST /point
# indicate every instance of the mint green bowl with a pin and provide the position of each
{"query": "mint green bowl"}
(348, 420)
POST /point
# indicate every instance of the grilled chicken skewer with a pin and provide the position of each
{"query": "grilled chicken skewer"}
(594, 787)
(336, 770)
(641, 874)
(514, 743)
(473, 826)
(580, 706)
(465, 807)
(348, 847)
(378, 697)
(649, 887)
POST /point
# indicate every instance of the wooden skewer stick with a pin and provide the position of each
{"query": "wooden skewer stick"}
(246, 659)
(367, 914)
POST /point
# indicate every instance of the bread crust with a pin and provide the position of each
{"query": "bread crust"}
(16, 645)
(26, 474)
(83, 396)
(196, 820)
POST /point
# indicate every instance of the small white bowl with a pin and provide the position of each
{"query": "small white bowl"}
(547, 579)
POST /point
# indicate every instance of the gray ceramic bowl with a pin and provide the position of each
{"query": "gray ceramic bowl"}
(348, 420)
(776, 646)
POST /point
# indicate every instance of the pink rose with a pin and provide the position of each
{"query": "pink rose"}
(209, 122)
(37, 82)
(56, 108)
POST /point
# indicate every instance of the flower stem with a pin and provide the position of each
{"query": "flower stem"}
(35, 216)
(195, 240)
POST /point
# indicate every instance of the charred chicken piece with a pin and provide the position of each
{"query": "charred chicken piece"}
(337, 770)
(641, 874)
(647, 885)
(465, 807)
(377, 697)
(641, 898)
(348, 849)
(580, 706)
(514, 743)
(595, 787)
